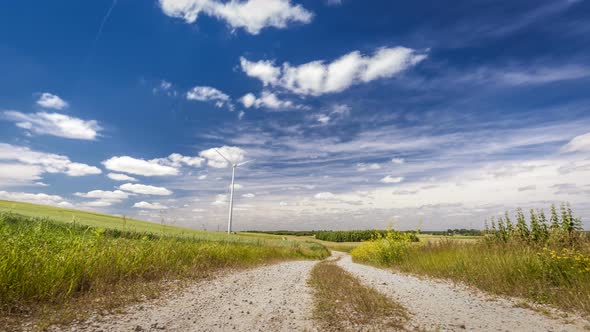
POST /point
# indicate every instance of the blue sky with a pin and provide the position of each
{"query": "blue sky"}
(411, 114)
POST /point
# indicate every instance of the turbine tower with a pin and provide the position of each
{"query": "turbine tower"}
(231, 192)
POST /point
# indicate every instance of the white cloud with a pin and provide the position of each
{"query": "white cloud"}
(38, 198)
(324, 195)
(149, 206)
(198, 210)
(78, 169)
(578, 143)
(55, 124)
(362, 167)
(99, 203)
(233, 153)
(12, 174)
(165, 88)
(398, 161)
(391, 179)
(115, 195)
(121, 177)
(130, 165)
(249, 195)
(202, 177)
(207, 93)
(317, 77)
(40, 162)
(265, 71)
(48, 100)
(104, 198)
(267, 100)
(145, 189)
(251, 15)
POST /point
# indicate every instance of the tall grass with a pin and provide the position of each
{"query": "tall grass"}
(48, 263)
(545, 264)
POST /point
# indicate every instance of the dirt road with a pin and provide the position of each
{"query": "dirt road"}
(277, 298)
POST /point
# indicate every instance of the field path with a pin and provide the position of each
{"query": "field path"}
(443, 306)
(268, 298)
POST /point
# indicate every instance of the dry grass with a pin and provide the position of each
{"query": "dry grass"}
(342, 303)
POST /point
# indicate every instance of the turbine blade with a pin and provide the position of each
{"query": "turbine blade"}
(222, 156)
(245, 162)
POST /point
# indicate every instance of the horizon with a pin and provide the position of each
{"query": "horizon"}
(357, 116)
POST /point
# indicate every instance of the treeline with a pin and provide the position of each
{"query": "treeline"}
(292, 233)
(560, 228)
(357, 236)
(456, 231)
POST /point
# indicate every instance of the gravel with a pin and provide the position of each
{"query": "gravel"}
(268, 298)
(444, 306)
(277, 298)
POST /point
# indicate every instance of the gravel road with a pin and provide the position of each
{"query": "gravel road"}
(268, 298)
(443, 306)
(277, 298)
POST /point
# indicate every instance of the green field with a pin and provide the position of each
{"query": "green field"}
(61, 264)
(99, 220)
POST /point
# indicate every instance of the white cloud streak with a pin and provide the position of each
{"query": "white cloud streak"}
(145, 189)
(55, 124)
(317, 77)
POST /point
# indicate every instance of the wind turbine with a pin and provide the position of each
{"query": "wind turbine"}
(231, 192)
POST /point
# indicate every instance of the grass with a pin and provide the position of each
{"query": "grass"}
(56, 269)
(342, 303)
(557, 277)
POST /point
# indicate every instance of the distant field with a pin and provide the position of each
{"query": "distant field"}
(93, 219)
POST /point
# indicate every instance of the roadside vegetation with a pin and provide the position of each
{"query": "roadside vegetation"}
(342, 303)
(542, 258)
(59, 270)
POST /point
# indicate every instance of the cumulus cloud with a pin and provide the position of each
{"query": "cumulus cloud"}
(24, 162)
(150, 206)
(103, 198)
(318, 77)
(13, 174)
(130, 165)
(268, 100)
(233, 153)
(55, 124)
(102, 194)
(391, 179)
(37, 198)
(121, 177)
(578, 143)
(398, 161)
(145, 189)
(48, 100)
(249, 195)
(251, 15)
(207, 93)
(78, 169)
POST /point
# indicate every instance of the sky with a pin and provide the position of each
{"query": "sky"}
(355, 114)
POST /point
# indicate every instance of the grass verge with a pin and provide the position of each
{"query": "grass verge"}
(342, 303)
(557, 277)
(47, 269)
